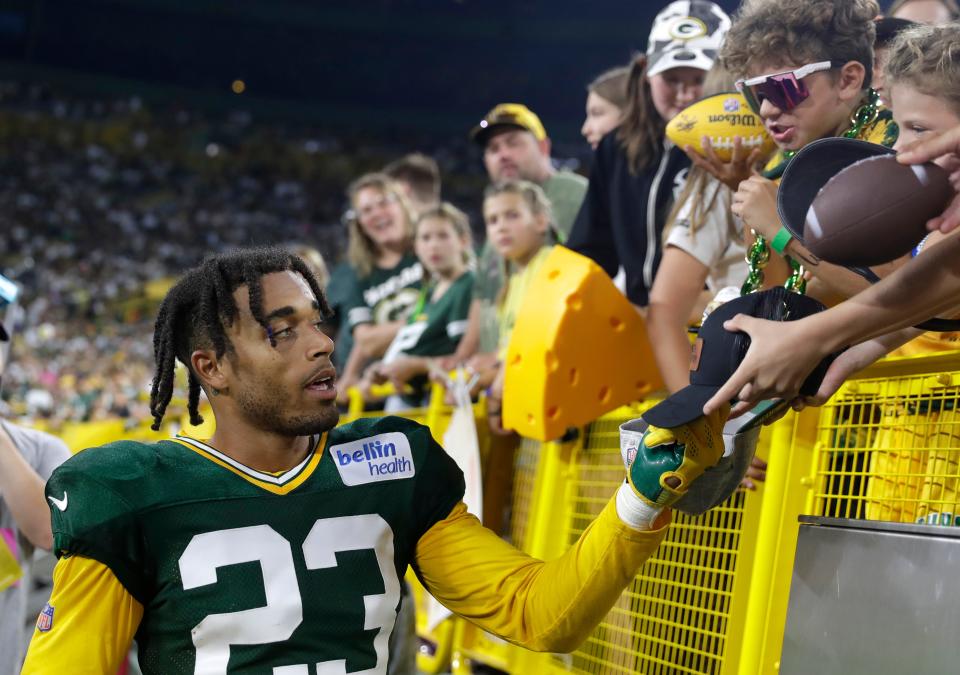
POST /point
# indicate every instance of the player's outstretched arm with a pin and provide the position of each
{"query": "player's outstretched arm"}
(553, 606)
(544, 606)
(88, 624)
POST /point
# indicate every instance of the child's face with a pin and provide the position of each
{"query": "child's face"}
(438, 246)
(602, 117)
(919, 114)
(512, 228)
(675, 89)
(825, 110)
(380, 216)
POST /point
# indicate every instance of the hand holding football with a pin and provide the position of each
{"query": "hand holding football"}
(875, 211)
(720, 118)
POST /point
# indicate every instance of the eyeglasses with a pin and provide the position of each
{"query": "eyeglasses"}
(785, 90)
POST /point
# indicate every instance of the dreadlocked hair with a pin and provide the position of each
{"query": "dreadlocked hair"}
(197, 309)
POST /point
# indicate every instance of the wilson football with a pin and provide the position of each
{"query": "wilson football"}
(720, 118)
(874, 211)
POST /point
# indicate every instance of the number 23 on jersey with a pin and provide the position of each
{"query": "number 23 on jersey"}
(283, 612)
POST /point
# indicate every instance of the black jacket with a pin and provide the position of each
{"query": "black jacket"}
(622, 217)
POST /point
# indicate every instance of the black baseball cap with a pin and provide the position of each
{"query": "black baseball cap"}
(718, 352)
(887, 29)
(810, 169)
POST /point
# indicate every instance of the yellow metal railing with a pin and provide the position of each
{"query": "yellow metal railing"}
(886, 447)
(677, 615)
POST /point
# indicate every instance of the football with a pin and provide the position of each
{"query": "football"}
(874, 211)
(720, 118)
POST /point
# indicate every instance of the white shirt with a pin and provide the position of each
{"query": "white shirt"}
(717, 245)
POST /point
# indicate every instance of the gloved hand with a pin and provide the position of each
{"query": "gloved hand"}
(663, 463)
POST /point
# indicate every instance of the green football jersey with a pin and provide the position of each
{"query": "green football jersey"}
(241, 571)
(437, 327)
(385, 295)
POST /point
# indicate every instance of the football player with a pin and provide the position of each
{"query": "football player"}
(277, 546)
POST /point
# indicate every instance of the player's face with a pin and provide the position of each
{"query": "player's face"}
(514, 154)
(675, 89)
(602, 117)
(513, 230)
(439, 247)
(380, 216)
(918, 115)
(286, 387)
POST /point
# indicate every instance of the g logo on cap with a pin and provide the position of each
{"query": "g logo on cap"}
(688, 28)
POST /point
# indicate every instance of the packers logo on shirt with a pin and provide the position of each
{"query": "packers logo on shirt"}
(396, 307)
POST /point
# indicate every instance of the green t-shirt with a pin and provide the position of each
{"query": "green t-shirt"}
(247, 572)
(385, 295)
(437, 327)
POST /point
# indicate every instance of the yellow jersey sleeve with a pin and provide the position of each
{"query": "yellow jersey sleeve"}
(544, 606)
(90, 623)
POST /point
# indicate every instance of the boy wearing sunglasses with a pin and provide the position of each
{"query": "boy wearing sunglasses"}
(805, 68)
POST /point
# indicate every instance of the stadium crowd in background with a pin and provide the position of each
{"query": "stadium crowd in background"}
(104, 202)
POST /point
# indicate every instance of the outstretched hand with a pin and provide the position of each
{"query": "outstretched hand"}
(740, 167)
(779, 359)
(944, 149)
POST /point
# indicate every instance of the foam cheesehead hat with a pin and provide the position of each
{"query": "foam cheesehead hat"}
(502, 115)
(718, 352)
(686, 33)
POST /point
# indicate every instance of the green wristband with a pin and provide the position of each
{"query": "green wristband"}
(781, 240)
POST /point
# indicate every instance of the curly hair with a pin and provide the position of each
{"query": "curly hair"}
(927, 58)
(801, 31)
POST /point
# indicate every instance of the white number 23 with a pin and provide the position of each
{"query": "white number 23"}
(279, 618)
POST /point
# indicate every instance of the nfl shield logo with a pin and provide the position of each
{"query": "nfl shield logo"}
(45, 620)
(731, 105)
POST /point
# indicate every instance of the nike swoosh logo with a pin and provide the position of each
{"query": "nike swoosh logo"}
(59, 503)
